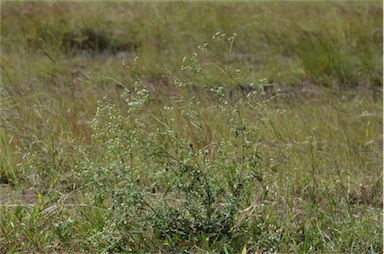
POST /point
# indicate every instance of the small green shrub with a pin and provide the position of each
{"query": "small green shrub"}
(194, 193)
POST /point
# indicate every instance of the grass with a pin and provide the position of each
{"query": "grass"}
(181, 133)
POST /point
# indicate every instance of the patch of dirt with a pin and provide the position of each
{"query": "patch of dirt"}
(9, 195)
(163, 87)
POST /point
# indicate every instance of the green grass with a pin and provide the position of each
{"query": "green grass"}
(191, 133)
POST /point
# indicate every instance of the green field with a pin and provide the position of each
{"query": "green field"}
(191, 127)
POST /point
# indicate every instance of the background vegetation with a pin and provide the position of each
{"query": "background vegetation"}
(191, 127)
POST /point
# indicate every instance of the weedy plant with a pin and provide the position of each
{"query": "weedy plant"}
(189, 190)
